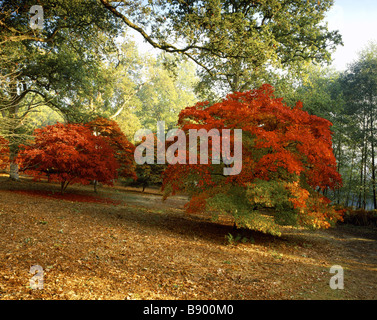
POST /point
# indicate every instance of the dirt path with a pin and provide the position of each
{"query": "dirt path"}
(144, 248)
(357, 254)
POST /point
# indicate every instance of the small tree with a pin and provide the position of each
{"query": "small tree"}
(150, 174)
(110, 131)
(69, 153)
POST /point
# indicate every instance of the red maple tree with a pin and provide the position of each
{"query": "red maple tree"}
(287, 159)
(69, 153)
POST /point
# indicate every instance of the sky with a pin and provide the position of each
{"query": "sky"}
(356, 21)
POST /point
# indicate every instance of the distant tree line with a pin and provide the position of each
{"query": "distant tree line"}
(349, 100)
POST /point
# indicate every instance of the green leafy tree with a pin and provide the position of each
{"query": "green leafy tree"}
(166, 92)
(51, 66)
(360, 90)
(234, 42)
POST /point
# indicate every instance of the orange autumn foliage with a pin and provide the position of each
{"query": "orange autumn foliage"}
(283, 146)
(4, 153)
(110, 131)
(69, 153)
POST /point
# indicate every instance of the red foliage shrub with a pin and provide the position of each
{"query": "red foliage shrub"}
(69, 153)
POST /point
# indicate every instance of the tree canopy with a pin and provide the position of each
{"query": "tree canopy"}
(69, 153)
(234, 41)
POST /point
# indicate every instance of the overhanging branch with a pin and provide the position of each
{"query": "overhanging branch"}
(165, 47)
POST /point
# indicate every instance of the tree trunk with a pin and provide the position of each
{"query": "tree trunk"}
(63, 186)
(350, 180)
(374, 178)
(13, 172)
(363, 158)
(365, 184)
(362, 193)
(373, 161)
(365, 174)
(338, 167)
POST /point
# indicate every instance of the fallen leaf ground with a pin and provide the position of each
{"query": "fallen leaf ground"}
(123, 244)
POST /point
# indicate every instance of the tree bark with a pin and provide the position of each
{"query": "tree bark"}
(363, 162)
(13, 172)
(339, 151)
(373, 160)
(350, 180)
(63, 186)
